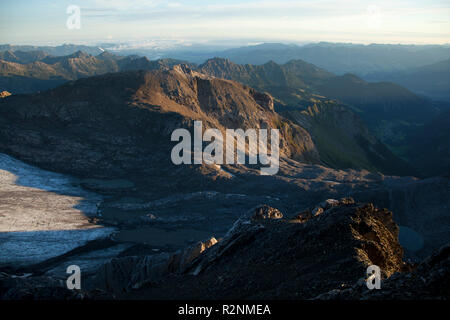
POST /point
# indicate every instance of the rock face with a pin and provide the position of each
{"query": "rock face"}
(266, 212)
(420, 205)
(125, 274)
(4, 94)
(341, 137)
(429, 280)
(321, 208)
(269, 258)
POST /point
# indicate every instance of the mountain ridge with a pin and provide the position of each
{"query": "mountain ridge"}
(295, 85)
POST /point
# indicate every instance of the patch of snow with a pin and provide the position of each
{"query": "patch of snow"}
(23, 248)
(42, 214)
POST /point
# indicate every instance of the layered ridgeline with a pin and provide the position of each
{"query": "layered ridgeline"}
(420, 68)
(26, 72)
(302, 92)
(300, 89)
(431, 80)
(62, 50)
(340, 138)
(341, 58)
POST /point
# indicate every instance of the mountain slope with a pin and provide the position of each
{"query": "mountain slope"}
(51, 71)
(118, 126)
(430, 80)
(302, 93)
(391, 111)
(295, 74)
(378, 101)
(431, 143)
(23, 57)
(70, 128)
(342, 139)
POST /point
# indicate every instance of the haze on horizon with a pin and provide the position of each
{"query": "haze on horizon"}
(43, 22)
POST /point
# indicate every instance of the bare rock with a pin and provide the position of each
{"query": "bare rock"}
(131, 273)
(428, 280)
(316, 211)
(4, 94)
(180, 260)
(266, 212)
(286, 260)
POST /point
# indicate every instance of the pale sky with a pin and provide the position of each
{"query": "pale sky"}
(405, 21)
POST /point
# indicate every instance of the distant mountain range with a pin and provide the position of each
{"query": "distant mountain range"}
(62, 50)
(338, 58)
(31, 71)
(420, 68)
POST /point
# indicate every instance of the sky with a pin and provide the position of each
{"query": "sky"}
(44, 22)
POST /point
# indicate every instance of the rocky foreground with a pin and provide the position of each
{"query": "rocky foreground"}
(319, 253)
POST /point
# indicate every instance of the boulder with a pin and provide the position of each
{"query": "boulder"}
(266, 212)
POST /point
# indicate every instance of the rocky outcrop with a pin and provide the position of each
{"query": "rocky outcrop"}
(322, 207)
(134, 272)
(266, 212)
(4, 94)
(420, 205)
(269, 258)
(429, 280)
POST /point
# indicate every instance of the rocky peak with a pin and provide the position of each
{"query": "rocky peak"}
(79, 54)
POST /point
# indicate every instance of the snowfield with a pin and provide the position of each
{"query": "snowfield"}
(42, 214)
(24, 248)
